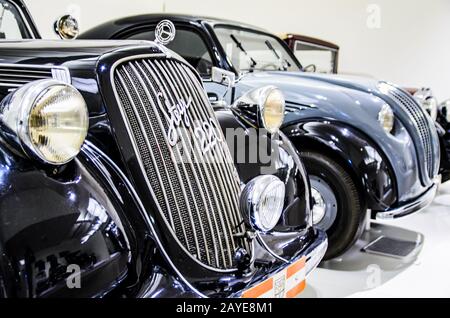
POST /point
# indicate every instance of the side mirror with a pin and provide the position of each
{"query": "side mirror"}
(66, 27)
(311, 68)
(221, 76)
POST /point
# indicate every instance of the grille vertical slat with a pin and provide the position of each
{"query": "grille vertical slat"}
(185, 178)
(418, 117)
(220, 175)
(201, 186)
(226, 225)
(137, 113)
(199, 198)
(144, 111)
(231, 184)
(226, 160)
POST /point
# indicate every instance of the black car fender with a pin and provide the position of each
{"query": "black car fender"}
(356, 152)
(278, 159)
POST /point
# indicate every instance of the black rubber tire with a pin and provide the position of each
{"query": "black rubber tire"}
(350, 217)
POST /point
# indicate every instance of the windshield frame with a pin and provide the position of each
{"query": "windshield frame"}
(251, 30)
(25, 18)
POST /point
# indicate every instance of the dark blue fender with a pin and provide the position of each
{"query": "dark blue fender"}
(354, 150)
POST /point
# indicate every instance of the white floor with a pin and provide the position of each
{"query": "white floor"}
(358, 274)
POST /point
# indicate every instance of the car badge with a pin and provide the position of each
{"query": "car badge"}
(165, 32)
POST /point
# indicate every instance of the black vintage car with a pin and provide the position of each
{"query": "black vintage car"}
(102, 194)
(369, 148)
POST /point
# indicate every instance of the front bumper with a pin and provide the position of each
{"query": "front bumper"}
(411, 207)
(313, 255)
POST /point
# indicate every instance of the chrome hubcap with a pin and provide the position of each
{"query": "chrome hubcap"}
(324, 210)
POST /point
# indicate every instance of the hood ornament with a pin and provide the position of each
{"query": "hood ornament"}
(165, 32)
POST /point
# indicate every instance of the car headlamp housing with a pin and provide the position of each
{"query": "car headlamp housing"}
(262, 202)
(263, 107)
(386, 118)
(48, 118)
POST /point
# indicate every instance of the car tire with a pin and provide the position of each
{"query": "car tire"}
(346, 225)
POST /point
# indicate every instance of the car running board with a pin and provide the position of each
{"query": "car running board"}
(394, 245)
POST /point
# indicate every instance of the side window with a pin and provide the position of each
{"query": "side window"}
(12, 26)
(322, 58)
(189, 44)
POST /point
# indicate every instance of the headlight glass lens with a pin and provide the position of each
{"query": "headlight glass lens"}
(273, 110)
(386, 118)
(262, 202)
(58, 124)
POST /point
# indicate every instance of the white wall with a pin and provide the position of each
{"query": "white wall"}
(411, 47)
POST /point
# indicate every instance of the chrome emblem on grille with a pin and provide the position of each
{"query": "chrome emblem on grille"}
(165, 32)
(206, 133)
(176, 114)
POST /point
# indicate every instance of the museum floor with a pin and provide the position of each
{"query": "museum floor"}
(358, 274)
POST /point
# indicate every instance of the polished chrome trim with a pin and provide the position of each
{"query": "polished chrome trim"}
(268, 249)
(156, 75)
(15, 113)
(313, 254)
(132, 139)
(165, 166)
(194, 170)
(419, 204)
(218, 198)
(60, 73)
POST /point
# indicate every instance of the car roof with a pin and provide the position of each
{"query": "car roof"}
(175, 17)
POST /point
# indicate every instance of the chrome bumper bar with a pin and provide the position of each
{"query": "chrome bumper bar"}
(415, 206)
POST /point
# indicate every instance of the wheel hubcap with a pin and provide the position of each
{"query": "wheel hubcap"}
(324, 208)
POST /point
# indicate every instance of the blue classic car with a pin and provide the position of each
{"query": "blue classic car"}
(367, 144)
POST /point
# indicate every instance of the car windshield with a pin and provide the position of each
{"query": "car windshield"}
(250, 51)
(12, 26)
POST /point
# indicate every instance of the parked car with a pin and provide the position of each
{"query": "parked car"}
(96, 199)
(323, 57)
(316, 55)
(359, 138)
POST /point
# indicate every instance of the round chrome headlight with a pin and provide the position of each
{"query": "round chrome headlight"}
(272, 110)
(263, 107)
(50, 119)
(262, 202)
(431, 106)
(386, 118)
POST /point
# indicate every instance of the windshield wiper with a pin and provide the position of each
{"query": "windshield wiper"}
(240, 47)
(284, 63)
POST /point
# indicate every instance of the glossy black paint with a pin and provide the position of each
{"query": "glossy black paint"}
(93, 213)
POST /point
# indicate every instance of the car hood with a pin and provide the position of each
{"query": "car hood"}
(349, 99)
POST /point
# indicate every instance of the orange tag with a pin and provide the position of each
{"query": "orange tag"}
(286, 284)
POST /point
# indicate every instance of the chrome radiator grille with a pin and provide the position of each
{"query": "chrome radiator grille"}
(420, 121)
(198, 197)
